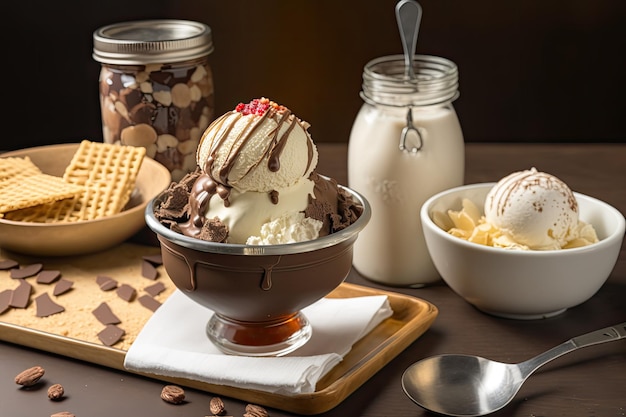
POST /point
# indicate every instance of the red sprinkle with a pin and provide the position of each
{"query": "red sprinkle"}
(258, 106)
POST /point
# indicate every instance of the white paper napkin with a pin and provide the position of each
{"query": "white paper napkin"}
(174, 343)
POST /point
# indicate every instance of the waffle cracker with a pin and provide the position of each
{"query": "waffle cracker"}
(69, 210)
(27, 191)
(12, 167)
(108, 174)
(111, 168)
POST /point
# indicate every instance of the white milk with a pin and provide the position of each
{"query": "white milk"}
(391, 248)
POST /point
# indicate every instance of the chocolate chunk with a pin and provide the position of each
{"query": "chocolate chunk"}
(155, 260)
(8, 264)
(105, 315)
(126, 292)
(21, 295)
(170, 158)
(46, 307)
(175, 205)
(62, 286)
(142, 113)
(26, 271)
(198, 108)
(149, 302)
(131, 97)
(213, 230)
(174, 201)
(5, 300)
(148, 270)
(155, 289)
(106, 283)
(164, 78)
(111, 335)
(48, 277)
(160, 122)
(185, 123)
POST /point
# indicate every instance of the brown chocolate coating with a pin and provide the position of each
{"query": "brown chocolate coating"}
(255, 288)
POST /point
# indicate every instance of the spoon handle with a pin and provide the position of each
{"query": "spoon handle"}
(608, 334)
(408, 16)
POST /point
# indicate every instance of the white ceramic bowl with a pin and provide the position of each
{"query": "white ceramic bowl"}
(61, 239)
(522, 284)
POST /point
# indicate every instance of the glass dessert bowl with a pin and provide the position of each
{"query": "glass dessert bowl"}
(255, 293)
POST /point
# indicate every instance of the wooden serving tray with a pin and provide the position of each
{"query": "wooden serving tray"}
(411, 318)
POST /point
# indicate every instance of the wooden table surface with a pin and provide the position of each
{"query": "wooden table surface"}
(588, 382)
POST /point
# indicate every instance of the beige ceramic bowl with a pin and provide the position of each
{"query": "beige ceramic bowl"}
(60, 239)
(522, 284)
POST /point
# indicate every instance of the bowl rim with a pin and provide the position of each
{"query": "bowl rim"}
(125, 212)
(261, 250)
(616, 234)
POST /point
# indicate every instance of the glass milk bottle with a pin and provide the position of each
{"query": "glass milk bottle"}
(406, 145)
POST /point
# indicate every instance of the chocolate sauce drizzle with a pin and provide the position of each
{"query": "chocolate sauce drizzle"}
(529, 180)
(206, 185)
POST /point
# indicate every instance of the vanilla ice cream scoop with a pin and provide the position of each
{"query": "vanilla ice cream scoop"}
(256, 163)
(534, 209)
(260, 146)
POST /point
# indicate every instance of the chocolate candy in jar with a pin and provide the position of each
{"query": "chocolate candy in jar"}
(156, 88)
(406, 145)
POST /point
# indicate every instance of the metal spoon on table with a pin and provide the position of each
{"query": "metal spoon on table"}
(464, 385)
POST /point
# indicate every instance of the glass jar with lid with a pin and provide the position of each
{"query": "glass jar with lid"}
(406, 144)
(156, 87)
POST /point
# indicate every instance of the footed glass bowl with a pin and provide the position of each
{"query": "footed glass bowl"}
(256, 293)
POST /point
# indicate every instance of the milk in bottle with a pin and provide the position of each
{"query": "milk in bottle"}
(406, 145)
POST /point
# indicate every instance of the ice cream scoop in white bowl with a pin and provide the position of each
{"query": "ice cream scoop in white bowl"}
(522, 284)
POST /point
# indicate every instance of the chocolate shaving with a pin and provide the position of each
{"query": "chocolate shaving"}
(155, 289)
(46, 307)
(175, 205)
(155, 260)
(126, 292)
(5, 300)
(21, 295)
(27, 271)
(106, 283)
(105, 315)
(111, 335)
(62, 286)
(48, 277)
(322, 211)
(149, 302)
(8, 264)
(148, 270)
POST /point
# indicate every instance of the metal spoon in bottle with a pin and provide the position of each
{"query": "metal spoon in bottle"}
(408, 16)
(464, 385)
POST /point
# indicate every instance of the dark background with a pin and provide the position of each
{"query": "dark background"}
(530, 70)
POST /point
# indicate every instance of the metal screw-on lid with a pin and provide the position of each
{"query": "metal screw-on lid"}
(152, 41)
